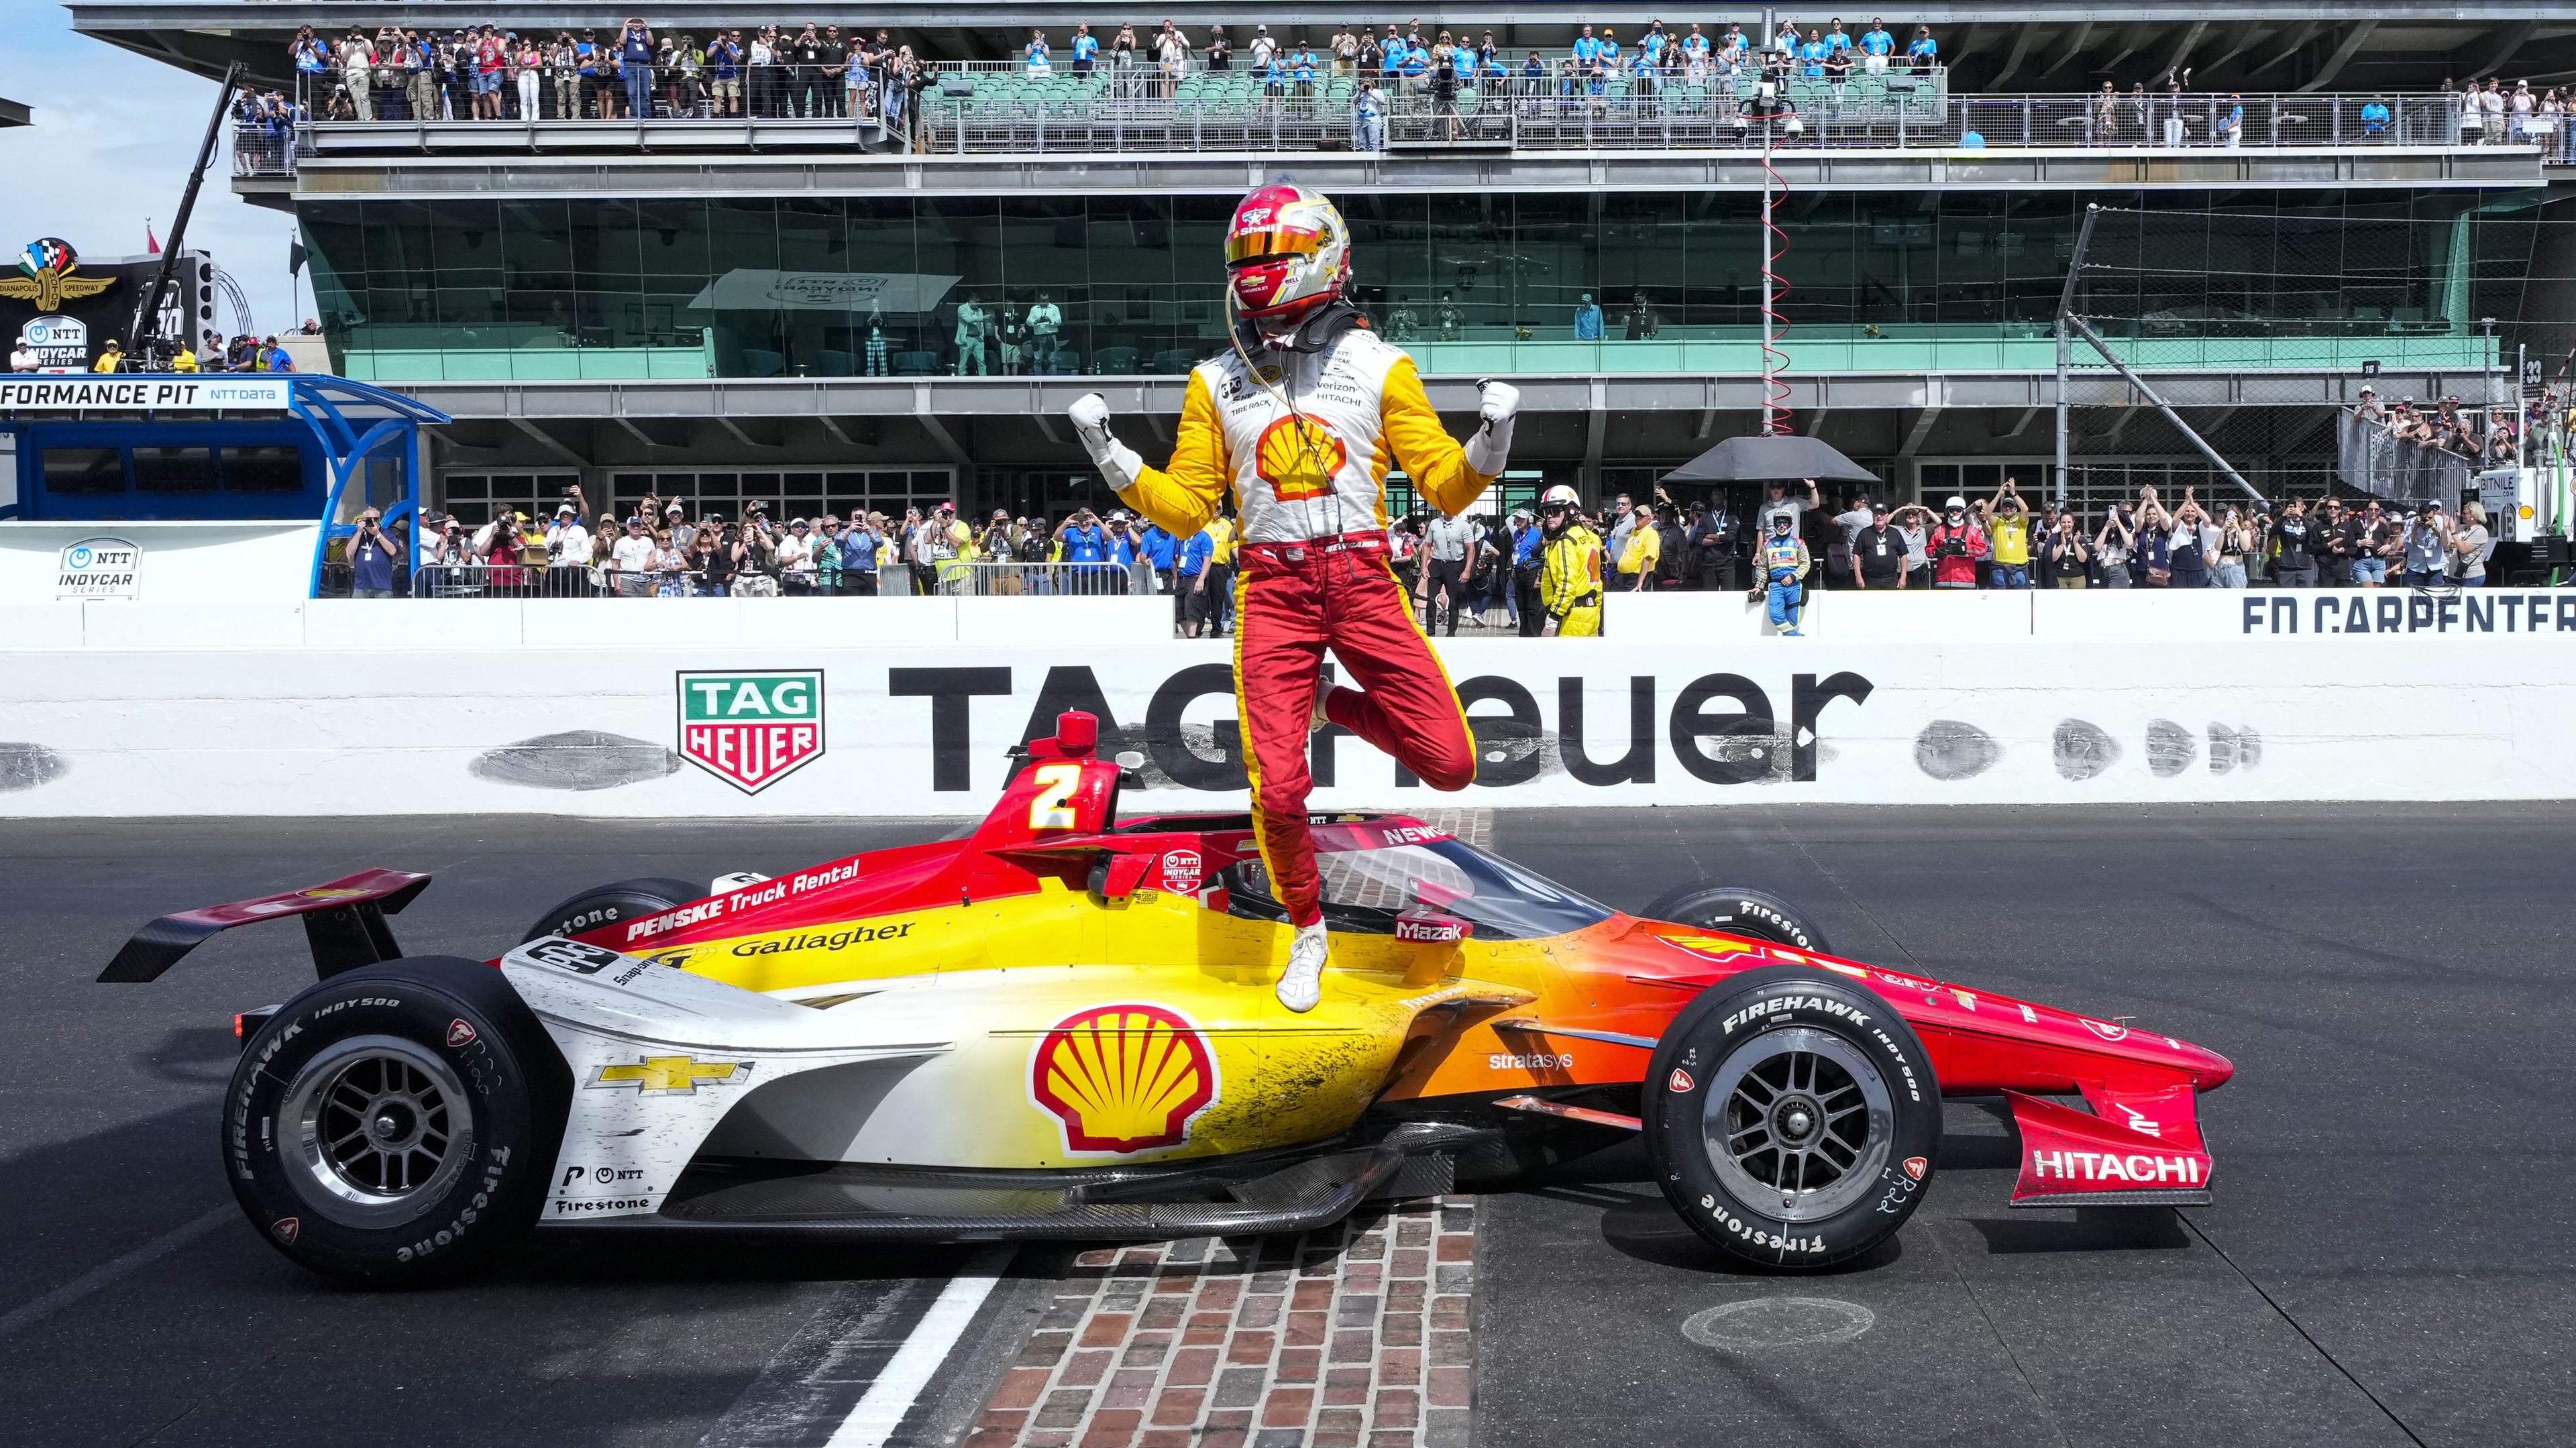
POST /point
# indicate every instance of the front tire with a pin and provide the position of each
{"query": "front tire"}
(394, 1123)
(1792, 1118)
(1734, 910)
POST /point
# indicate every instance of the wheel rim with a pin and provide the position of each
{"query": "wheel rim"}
(1797, 1124)
(379, 1130)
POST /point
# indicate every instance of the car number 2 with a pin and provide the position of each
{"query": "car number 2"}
(1051, 809)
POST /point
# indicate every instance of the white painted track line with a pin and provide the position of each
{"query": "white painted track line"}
(890, 1398)
(107, 1272)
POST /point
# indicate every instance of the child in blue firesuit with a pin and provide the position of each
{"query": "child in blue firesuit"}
(1785, 562)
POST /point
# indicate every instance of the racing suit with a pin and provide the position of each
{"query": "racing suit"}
(1570, 585)
(1785, 562)
(1312, 569)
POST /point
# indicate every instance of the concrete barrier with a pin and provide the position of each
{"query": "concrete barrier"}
(647, 709)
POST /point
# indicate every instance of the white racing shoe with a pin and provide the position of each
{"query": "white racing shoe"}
(1303, 986)
(1318, 719)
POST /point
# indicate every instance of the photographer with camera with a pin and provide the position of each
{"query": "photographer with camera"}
(2428, 546)
(2470, 543)
(2113, 545)
(568, 547)
(2009, 531)
(372, 555)
(1956, 546)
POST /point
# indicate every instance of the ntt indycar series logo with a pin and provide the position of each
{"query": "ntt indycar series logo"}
(100, 567)
(751, 730)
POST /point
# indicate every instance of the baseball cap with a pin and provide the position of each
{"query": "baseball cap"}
(567, 510)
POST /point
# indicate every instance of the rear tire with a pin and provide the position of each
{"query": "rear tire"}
(394, 1123)
(1733, 910)
(608, 904)
(1792, 1118)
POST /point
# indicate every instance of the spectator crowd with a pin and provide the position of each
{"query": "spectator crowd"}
(1482, 571)
(242, 353)
(637, 70)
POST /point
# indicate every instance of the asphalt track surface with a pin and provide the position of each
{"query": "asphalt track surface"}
(2390, 1260)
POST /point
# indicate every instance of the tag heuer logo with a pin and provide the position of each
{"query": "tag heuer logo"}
(751, 730)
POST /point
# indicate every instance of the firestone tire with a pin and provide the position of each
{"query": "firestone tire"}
(1732, 910)
(395, 1123)
(1792, 1118)
(608, 904)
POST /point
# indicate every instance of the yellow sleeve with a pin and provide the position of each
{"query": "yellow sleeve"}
(1183, 495)
(1422, 447)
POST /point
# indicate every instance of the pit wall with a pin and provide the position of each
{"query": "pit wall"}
(580, 707)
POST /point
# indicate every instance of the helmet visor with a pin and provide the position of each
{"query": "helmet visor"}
(1258, 243)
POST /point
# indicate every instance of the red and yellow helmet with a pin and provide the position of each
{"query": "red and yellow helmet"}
(1286, 254)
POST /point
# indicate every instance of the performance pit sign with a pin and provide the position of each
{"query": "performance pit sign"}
(171, 392)
(98, 568)
(751, 730)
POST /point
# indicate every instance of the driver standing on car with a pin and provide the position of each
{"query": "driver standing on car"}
(1302, 419)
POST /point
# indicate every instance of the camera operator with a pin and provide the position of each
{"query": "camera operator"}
(372, 555)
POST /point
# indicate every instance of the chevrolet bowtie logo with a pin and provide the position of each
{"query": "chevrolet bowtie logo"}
(669, 1075)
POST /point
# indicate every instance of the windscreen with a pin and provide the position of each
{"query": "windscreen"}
(1364, 890)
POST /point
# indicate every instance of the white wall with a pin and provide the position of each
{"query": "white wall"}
(571, 708)
(182, 562)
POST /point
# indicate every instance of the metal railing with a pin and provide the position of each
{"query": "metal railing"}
(1722, 116)
(486, 579)
(1050, 580)
(1873, 112)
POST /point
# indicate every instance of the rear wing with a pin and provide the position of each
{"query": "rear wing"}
(344, 922)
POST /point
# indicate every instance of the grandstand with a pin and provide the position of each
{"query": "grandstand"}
(770, 302)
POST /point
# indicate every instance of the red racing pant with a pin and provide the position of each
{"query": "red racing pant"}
(1291, 602)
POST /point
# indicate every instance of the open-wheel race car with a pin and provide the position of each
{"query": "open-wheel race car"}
(1062, 1026)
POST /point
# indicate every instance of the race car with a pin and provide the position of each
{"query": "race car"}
(1062, 1026)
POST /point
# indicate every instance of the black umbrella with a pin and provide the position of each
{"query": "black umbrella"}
(1771, 459)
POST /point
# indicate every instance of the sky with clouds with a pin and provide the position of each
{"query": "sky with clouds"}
(113, 139)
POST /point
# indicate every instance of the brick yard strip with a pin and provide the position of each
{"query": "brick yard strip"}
(1354, 1336)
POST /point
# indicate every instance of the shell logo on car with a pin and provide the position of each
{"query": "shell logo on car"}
(1123, 1078)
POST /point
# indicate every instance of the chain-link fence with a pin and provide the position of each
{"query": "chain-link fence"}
(2358, 351)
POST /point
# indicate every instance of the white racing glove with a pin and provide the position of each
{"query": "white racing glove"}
(1118, 462)
(1490, 450)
